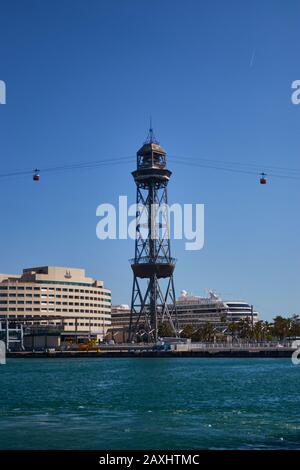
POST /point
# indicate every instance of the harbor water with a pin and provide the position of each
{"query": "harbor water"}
(149, 403)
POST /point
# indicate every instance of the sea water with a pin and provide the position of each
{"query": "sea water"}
(149, 403)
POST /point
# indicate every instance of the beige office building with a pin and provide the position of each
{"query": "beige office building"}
(61, 297)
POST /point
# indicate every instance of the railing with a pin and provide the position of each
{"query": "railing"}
(242, 345)
(43, 329)
(150, 260)
(151, 164)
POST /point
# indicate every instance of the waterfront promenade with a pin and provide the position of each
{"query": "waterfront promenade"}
(238, 350)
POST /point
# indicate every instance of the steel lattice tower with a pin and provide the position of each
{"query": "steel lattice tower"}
(153, 294)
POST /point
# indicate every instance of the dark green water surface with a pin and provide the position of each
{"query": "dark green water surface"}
(149, 403)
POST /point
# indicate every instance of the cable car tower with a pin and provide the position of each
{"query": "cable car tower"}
(153, 293)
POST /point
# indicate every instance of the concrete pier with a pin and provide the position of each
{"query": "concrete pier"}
(137, 353)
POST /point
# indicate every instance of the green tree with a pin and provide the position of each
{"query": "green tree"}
(261, 331)
(188, 331)
(205, 333)
(232, 329)
(165, 329)
(281, 327)
(245, 329)
(295, 325)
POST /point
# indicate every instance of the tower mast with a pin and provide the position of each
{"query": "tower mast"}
(153, 293)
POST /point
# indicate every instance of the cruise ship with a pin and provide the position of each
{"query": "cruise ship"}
(192, 310)
(196, 310)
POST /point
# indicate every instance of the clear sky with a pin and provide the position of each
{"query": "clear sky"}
(82, 79)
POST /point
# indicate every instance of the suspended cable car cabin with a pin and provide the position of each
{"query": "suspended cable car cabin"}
(36, 175)
(263, 179)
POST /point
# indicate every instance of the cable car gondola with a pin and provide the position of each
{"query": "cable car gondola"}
(263, 180)
(36, 176)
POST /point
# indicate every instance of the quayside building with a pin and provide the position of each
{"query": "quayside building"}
(56, 299)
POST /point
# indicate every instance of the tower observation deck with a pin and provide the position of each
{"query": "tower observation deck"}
(153, 293)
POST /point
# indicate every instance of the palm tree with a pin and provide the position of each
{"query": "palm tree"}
(188, 331)
(165, 329)
(245, 329)
(205, 333)
(281, 327)
(295, 325)
(260, 331)
(232, 328)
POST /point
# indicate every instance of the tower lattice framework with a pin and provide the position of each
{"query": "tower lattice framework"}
(153, 293)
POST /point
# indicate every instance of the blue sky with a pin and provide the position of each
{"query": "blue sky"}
(82, 79)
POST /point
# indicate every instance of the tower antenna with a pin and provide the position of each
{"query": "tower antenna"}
(151, 139)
